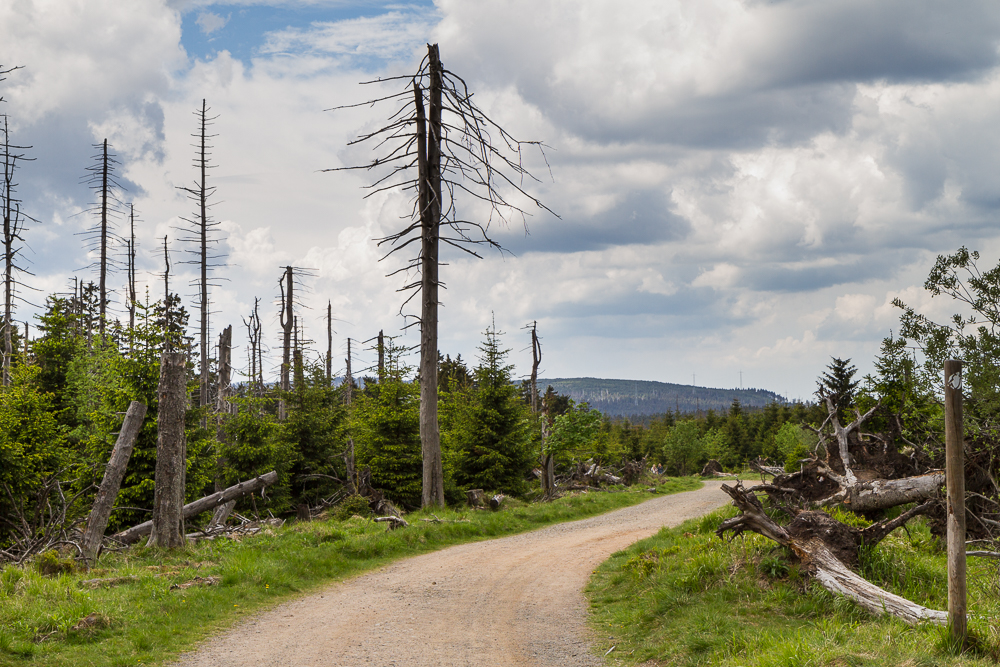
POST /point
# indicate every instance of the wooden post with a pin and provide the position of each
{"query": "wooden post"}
(108, 492)
(955, 476)
(168, 495)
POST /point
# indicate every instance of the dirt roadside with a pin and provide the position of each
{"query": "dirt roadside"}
(511, 601)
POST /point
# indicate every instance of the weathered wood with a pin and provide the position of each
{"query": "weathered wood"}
(221, 515)
(202, 505)
(880, 494)
(168, 495)
(829, 571)
(474, 497)
(955, 468)
(496, 501)
(393, 522)
(104, 502)
(429, 197)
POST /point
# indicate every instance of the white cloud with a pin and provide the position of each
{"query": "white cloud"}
(209, 22)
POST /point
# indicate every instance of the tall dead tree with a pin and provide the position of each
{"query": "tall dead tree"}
(381, 355)
(329, 343)
(102, 180)
(130, 265)
(438, 142)
(348, 398)
(536, 359)
(287, 319)
(13, 225)
(256, 355)
(168, 494)
(202, 230)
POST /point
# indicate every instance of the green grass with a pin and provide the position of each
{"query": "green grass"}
(145, 622)
(685, 597)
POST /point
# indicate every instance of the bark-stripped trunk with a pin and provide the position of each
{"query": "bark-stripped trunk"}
(131, 272)
(222, 405)
(536, 359)
(203, 249)
(168, 496)
(381, 356)
(104, 502)
(167, 343)
(9, 234)
(103, 285)
(829, 570)
(429, 176)
(329, 343)
(202, 505)
(287, 283)
(349, 452)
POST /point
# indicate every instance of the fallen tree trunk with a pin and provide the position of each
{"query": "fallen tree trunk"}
(825, 557)
(202, 505)
(857, 495)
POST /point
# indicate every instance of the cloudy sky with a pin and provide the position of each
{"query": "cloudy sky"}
(743, 186)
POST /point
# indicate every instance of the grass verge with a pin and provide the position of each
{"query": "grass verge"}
(685, 597)
(145, 619)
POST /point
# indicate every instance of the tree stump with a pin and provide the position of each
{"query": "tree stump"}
(496, 501)
(168, 495)
(474, 497)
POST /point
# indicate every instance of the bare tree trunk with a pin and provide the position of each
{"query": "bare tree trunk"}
(108, 491)
(828, 569)
(202, 505)
(131, 271)
(536, 359)
(429, 175)
(329, 342)
(287, 282)
(381, 356)
(202, 187)
(168, 496)
(349, 452)
(167, 344)
(223, 407)
(104, 240)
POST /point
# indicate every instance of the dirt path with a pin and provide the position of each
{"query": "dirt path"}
(510, 601)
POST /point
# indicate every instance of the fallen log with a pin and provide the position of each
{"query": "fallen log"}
(825, 557)
(496, 501)
(133, 534)
(393, 522)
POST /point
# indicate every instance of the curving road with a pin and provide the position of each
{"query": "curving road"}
(510, 601)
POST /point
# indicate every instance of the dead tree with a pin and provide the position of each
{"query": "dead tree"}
(202, 505)
(256, 355)
(168, 495)
(102, 180)
(329, 342)
(536, 359)
(104, 502)
(130, 266)
(828, 547)
(438, 142)
(348, 398)
(202, 233)
(287, 319)
(13, 226)
(858, 474)
(381, 355)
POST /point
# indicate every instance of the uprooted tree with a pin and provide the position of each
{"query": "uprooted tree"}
(437, 143)
(892, 452)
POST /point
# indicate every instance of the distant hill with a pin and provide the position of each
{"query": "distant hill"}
(623, 398)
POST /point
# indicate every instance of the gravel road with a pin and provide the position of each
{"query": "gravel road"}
(510, 601)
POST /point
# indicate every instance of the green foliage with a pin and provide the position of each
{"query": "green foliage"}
(385, 424)
(251, 448)
(313, 436)
(32, 443)
(839, 383)
(490, 429)
(354, 505)
(573, 432)
(684, 448)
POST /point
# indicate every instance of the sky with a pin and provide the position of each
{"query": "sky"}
(742, 187)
